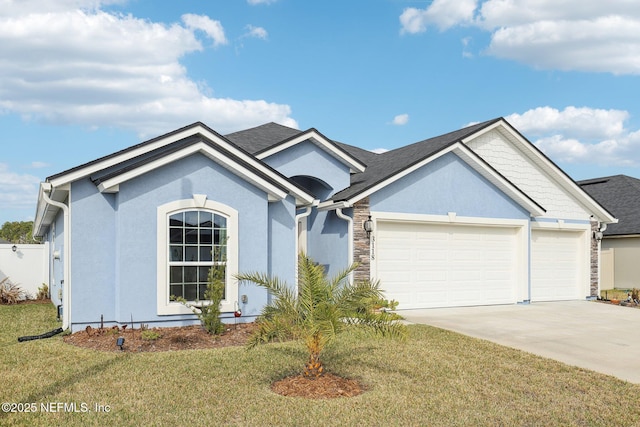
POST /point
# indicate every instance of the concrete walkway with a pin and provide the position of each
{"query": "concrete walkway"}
(591, 335)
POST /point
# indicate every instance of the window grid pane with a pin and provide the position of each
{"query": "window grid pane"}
(197, 241)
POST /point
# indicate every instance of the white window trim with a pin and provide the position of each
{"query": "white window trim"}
(166, 307)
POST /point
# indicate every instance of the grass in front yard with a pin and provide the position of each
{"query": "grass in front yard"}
(435, 378)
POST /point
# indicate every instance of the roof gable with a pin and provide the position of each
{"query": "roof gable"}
(319, 140)
(526, 166)
(110, 171)
(471, 159)
(170, 145)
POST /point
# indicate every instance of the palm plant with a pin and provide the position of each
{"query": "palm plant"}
(321, 310)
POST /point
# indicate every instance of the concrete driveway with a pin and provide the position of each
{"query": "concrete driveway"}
(591, 335)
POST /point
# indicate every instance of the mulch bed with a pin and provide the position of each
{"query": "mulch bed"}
(170, 339)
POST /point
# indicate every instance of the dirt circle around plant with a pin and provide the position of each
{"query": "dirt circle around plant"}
(328, 386)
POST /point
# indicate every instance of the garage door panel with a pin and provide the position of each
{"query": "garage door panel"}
(555, 265)
(439, 265)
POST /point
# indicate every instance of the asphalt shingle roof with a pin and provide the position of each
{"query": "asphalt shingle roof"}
(387, 164)
(261, 137)
(379, 166)
(620, 195)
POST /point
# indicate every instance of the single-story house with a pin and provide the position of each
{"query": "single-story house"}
(620, 195)
(476, 216)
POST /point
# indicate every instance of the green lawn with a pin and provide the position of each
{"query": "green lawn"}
(436, 378)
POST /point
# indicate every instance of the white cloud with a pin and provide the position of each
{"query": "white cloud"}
(39, 165)
(212, 28)
(581, 135)
(401, 119)
(441, 13)
(582, 122)
(257, 32)
(70, 62)
(254, 2)
(567, 35)
(17, 190)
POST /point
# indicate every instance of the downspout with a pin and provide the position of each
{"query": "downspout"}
(601, 228)
(66, 295)
(349, 220)
(306, 213)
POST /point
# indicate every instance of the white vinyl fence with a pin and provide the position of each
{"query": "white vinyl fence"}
(27, 267)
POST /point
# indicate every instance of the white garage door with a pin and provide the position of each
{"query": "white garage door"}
(441, 265)
(557, 265)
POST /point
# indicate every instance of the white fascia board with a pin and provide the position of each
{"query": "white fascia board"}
(164, 141)
(559, 176)
(323, 143)
(130, 154)
(274, 192)
(46, 213)
(466, 155)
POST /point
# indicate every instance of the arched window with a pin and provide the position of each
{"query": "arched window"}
(193, 236)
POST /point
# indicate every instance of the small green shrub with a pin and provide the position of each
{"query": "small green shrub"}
(43, 292)
(150, 335)
(209, 311)
(10, 293)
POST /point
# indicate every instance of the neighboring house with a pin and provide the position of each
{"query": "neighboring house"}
(620, 194)
(476, 216)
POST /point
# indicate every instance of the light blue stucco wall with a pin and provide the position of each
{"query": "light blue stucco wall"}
(281, 239)
(307, 159)
(328, 240)
(92, 253)
(447, 184)
(119, 277)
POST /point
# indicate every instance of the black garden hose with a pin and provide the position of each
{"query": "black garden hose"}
(39, 337)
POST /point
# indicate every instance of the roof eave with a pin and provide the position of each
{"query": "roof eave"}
(321, 141)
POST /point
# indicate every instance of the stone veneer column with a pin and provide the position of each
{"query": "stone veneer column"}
(595, 256)
(361, 251)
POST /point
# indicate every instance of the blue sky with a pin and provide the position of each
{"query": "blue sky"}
(80, 79)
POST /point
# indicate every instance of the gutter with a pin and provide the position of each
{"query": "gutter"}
(66, 294)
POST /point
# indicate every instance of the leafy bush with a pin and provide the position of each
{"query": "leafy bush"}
(150, 335)
(43, 292)
(10, 293)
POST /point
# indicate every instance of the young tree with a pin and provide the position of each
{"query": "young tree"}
(17, 232)
(320, 311)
